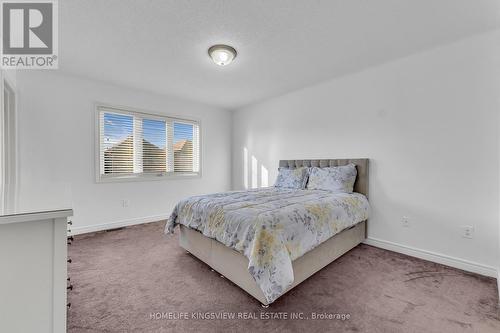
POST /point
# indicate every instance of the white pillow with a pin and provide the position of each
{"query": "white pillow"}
(291, 178)
(335, 179)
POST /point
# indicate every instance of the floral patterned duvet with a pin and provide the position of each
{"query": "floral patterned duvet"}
(271, 226)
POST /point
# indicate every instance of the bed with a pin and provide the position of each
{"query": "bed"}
(254, 254)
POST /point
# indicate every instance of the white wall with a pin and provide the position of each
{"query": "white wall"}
(429, 124)
(56, 138)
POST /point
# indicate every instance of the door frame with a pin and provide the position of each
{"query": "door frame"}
(9, 157)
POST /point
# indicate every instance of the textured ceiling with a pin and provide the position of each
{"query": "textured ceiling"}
(161, 46)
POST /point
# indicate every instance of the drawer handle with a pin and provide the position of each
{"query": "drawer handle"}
(70, 261)
(70, 287)
(68, 305)
(70, 222)
(70, 238)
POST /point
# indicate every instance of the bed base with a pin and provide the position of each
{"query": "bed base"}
(234, 266)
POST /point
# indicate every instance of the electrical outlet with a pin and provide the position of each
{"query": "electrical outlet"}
(125, 203)
(468, 231)
(405, 221)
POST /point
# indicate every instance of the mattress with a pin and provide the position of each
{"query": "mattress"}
(270, 226)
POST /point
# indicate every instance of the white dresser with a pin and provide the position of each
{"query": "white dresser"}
(33, 272)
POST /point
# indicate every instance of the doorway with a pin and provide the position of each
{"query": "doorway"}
(7, 148)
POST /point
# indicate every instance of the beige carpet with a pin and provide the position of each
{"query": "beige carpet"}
(139, 280)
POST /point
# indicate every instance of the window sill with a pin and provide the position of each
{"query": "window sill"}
(142, 178)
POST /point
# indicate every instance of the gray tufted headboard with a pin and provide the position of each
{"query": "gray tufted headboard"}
(361, 184)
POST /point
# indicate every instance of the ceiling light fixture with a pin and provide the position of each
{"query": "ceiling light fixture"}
(222, 55)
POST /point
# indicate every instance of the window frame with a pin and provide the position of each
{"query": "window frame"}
(100, 178)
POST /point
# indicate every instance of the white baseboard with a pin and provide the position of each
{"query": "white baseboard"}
(434, 257)
(116, 224)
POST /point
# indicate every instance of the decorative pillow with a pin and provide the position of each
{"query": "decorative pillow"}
(335, 179)
(291, 178)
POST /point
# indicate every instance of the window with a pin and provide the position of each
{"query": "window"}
(138, 145)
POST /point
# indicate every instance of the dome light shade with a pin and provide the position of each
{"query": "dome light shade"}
(222, 55)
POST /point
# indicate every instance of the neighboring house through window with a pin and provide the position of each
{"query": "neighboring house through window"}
(140, 145)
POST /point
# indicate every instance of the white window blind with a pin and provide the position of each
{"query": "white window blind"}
(135, 144)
